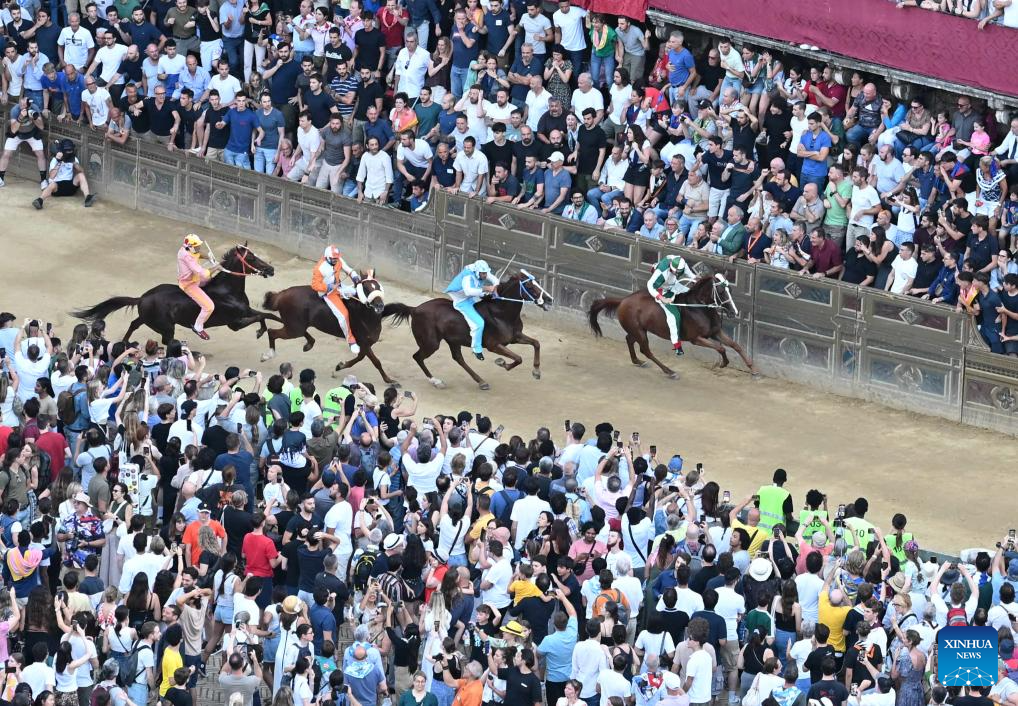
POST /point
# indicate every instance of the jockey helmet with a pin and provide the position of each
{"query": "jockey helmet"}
(481, 267)
(674, 262)
(332, 254)
(192, 241)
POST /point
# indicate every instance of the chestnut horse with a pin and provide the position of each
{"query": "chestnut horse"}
(639, 314)
(301, 309)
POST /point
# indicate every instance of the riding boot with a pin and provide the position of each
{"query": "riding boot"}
(479, 355)
(678, 348)
(200, 333)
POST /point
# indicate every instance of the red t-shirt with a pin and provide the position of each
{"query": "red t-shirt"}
(55, 445)
(4, 433)
(191, 537)
(391, 27)
(259, 550)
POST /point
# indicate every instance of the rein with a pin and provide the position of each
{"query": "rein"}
(246, 268)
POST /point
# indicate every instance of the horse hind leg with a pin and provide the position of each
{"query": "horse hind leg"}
(457, 355)
(378, 366)
(645, 349)
(424, 352)
(135, 325)
(631, 344)
(275, 334)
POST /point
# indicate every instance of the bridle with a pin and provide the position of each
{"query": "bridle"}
(246, 268)
(367, 298)
(718, 283)
(525, 295)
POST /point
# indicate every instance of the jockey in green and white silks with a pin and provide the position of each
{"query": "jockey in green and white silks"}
(671, 277)
(466, 289)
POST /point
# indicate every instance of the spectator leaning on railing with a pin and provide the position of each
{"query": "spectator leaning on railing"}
(505, 102)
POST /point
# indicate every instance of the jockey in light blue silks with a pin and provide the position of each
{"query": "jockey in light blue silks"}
(467, 288)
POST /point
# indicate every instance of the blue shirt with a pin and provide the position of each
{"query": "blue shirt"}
(270, 124)
(283, 83)
(946, 284)
(553, 184)
(423, 11)
(814, 143)
(444, 172)
(72, 91)
(518, 91)
(558, 649)
(461, 54)
(498, 30)
(242, 125)
(447, 121)
(322, 620)
(682, 60)
(380, 129)
(143, 34)
(197, 83)
(228, 10)
(241, 462)
(502, 499)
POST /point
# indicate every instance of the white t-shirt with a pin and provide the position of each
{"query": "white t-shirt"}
(312, 411)
(474, 168)
(571, 26)
(809, 587)
(110, 58)
(97, 104)
(613, 684)
(38, 676)
(423, 475)
(590, 99)
(637, 538)
(525, 512)
(228, 89)
(146, 659)
(76, 46)
(533, 27)
(655, 643)
(339, 521)
(800, 651)
(700, 668)
(29, 372)
(537, 105)
(171, 67)
(863, 198)
(632, 589)
(730, 605)
(451, 536)
(904, 272)
(499, 575)
(619, 101)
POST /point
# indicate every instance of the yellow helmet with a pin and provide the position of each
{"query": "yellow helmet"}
(192, 241)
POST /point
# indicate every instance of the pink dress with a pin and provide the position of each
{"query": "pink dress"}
(188, 270)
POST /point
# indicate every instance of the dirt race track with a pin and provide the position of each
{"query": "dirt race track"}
(67, 257)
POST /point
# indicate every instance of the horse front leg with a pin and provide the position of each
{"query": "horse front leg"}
(350, 363)
(735, 346)
(533, 342)
(714, 346)
(501, 349)
(378, 366)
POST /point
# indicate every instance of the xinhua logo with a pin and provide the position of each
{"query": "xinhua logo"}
(967, 656)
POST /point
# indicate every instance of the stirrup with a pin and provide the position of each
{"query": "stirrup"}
(200, 334)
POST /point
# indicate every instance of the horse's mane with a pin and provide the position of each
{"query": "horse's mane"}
(701, 283)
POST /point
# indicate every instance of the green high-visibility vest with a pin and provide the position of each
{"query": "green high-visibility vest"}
(858, 534)
(810, 521)
(772, 506)
(332, 402)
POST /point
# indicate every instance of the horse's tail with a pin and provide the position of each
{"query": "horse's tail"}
(270, 301)
(104, 309)
(608, 305)
(400, 313)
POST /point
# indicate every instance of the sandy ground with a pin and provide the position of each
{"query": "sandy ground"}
(67, 257)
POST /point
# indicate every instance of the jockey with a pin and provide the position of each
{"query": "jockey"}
(326, 279)
(466, 289)
(191, 277)
(671, 277)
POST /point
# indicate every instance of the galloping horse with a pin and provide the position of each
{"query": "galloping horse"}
(300, 309)
(639, 315)
(165, 306)
(435, 321)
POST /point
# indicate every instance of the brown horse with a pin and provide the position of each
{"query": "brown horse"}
(639, 314)
(436, 321)
(165, 306)
(301, 309)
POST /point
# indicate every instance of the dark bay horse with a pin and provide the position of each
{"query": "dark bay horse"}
(165, 306)
(639, 314)
(301, 309)
(436, 321)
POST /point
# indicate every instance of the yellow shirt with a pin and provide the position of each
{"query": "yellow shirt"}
(172, 661)
(834, 618)
(480, 525)
(757, 536)
(522, 588)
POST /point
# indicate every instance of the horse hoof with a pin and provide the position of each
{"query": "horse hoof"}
(756, 376)
(268, 355)
(484, 386)
(436, 382)
(393, 383)
(339, 366)
(307, 347)
(536, 373)
(641, 364)
(673, 375)
(500, 362)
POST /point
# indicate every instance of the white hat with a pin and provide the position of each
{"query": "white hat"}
(672, 681)
(391, 541)
(556, 157)
(760, 569)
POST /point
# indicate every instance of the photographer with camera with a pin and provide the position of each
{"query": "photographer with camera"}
(25, 125)
(66, 176)
(242, 670)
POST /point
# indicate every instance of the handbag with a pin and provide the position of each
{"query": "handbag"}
(752, 697)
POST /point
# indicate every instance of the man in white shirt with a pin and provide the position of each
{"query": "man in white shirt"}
(144, 562)
(569, 31)
(339, 523)
(612, 682)
(31, 362)
(809, 585)
(471, 169)
(496, 578)
(903, 270)
(585, 96)
(700, 666)
(536, 101)
(482, 441)
(422, 468)
(96, 102)
(632, 588)
(38, 674)
(75, 44)
(731, 606)
(109, 56)
(590, 658)
(374, 175)
(227, 85)
(863, 209)
(411, 66)
(526, 511)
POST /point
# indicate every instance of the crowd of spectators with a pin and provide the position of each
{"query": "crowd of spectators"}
(738, 151)
(157, 511)
(999, 12)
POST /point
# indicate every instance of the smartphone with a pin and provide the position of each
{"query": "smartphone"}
(841, 510)
(252, 373)
(49, 329)
(498, 430)
(616, 434)
(216, 376)
(407, 394)
(653, 450)
(3, 352)
(636, 436)
(1010, 532)
(134, 377)
(426, 420)
(618, 443)
(146, 451)
(568, 425)
(699, 467)
(726, 497)
(240, 427)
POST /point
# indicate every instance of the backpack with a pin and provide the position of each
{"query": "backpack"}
(362, 569)
(6, 522)
(96, 691)
(956, 617)
(129, 671)
(613, 594)
(504, 517)
(65, 406)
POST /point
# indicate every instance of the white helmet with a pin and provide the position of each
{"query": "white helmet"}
(481, 267)
(331, 253)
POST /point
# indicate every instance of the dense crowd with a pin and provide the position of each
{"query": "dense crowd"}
(157, 511)
(738, 151)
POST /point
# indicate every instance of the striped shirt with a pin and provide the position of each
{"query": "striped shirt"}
(339, 87)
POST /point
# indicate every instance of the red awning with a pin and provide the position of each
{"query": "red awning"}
(927, 43)
(634, 9)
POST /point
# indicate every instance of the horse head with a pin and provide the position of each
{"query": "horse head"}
(723, 294)
(370, 293)
(525, 288)
(242, 260)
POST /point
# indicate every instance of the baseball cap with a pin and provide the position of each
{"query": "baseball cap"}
(556, 156)
(204, 507)
(672, 681)
(188, 406)
(703, 104)
(675, 464)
